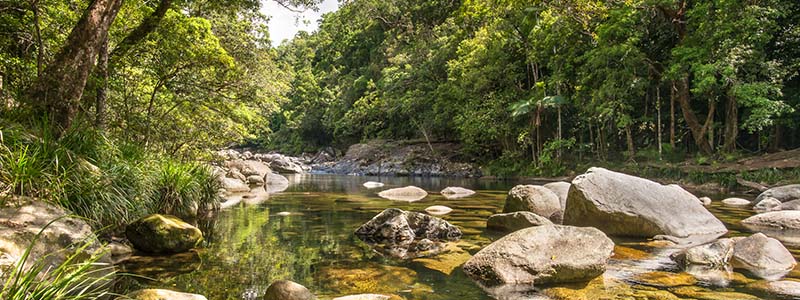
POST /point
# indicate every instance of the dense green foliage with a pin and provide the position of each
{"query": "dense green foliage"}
(530, 81)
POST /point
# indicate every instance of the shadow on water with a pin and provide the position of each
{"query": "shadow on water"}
(305, 234)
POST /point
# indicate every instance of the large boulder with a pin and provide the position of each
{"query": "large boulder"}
(60, 236)
(774, 220)
(784, 193)
(790, 205)
(509, 222)
(536, 199)
(158, 294)
(409, 193)
(396, 226)
(768, 204)
(716, 254)
(287, 290)
(763, 256)
(276, 183)
(163, 234)
(561, 189)
(625, 205)
(540, 255)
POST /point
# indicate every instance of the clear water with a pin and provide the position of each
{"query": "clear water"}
(249, 246)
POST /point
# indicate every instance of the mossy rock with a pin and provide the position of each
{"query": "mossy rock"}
(163, 234)
(665, 279)
(700, 293)
(370, 278)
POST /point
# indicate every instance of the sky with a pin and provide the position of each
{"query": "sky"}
(284, 24)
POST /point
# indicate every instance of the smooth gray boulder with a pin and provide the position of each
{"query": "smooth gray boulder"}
(509, 222)
(536, 199)
(763, 256)
(399, 227)
(768, 204)
(715, 254)
(456, 192)
(561, 189)
(159, 294)
(276, 183)
(287, 290)
(790, 205)
(782, 193)
(409, 194)
(625, 205)
(774, 220)
(733, 201)
(248, 167)
(234, 185)
(541, 255)
(284, 164)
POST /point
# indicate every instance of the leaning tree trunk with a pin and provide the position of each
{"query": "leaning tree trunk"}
(102, 86)
(58, 91)
(698, 131)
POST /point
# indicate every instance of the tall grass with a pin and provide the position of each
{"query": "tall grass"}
(76, 278)
(95, 178)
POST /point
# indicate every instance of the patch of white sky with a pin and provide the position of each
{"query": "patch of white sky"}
(284, 23)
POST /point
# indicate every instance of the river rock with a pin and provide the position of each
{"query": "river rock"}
(235, 174)
(540, 255)
(733, 201)
(409, 193)
(287, 290)
(365, 297)
(706, 201)
(249, 167)
(561, 189)
(158, 294)
(456, 192)
(234, 185)
(783, 288)
(276, 183)
(784, 193)
(163, 234)
(284, 164)
(58, 240)
(625, 205)
(509, 222)
(768, 204)
(372, 184)
(775, 220)
(763, 256)
(790, 205)
(255, 180)
(716, 254)
(437, 210)
(536, 199)
(396, 226)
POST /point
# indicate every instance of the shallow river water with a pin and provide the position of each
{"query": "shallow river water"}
(250, 245)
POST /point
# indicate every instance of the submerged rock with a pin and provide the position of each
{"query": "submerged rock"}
(409, 193)
(397, 227)
(625, 205)
(784, 193)
(716, 254)
(783, 288)
(368, 278)
(763, 256)
(366, 297)
(456, 192)
(438, 210)
(509, 222)
(163, 234)
(544, 254)
(536, 199)
(159, 294)
(372, 184)
(287, 290)
(733, 201)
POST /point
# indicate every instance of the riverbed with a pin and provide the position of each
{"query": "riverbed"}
(305, 234)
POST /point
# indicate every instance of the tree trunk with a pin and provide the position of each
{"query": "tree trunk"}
(147, 26)
(102, 86)
(698, 131)
(38, 31)
(731, 124)
(57, 93)
(672, 116)
(658, 120)
(629, 140)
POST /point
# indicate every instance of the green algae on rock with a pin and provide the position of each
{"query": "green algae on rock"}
(163, 234)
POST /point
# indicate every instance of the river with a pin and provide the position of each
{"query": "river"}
(250, 245)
